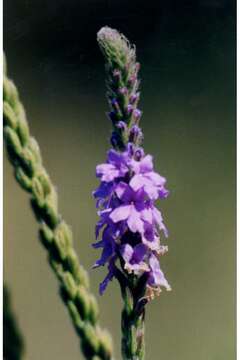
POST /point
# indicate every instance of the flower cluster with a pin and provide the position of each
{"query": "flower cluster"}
(130, 224)
(123, 87)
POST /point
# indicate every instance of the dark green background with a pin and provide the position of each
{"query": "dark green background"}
(187, 52)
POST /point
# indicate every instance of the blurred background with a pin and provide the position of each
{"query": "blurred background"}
(187, 53)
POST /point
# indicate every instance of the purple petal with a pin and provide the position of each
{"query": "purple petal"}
(163, 193)
(109, 277)
(149, 231)
(106, 254)
(103, 285)
(98, 227)
(142, 182)
(150, 239)
(121, 213)
(151, 190)
(146, 215)
(137, 182)
(152, 244)
(124, 192)
(157, 216)
(107, 172)
(130, 150)
(98, 244)
(146, 164)
(103, 190)
(134, 221)
(138, 253)
(135, 166)
(126, 251)
(114, 157)
(156, 178)
(157, 277)
(139, 197)
(134, 258)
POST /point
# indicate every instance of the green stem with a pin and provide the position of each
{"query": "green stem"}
(25, 156)
(133, 315)
(133, 342)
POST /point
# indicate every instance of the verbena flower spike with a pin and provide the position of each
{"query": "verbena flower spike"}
(130, 224)
(25, 156)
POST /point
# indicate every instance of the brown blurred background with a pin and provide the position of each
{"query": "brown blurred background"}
(187, 52)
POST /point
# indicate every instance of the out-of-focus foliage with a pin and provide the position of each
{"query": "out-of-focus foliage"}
(13, 346)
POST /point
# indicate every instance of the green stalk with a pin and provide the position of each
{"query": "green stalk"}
(133, 315)
(133, 328)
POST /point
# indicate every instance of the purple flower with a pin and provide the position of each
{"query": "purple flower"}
(109, 277)
(137, 114)
(150, 238)
(130, 227)
(156, 277)
(130, 108)
(108, 245)
(103, 194)
(126, 198)
(133, 98)
(135, 134)
(132, 209)
(122, 125)
(114, 168)
(152, 183)
(134, 258)
(135, 261)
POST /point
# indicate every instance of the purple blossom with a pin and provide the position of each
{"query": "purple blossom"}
(135, 134)
(132, 209)
(122, 125)
(109, 277)
(152, 183)
(126, 201)
(156, 276)
(134, 258)
(137, 114)
(130, 226)
(115, 167)
(130, 108)
(133, 98)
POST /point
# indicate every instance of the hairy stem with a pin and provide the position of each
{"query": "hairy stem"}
(25, 156)
(133, 344)
(133, 316)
